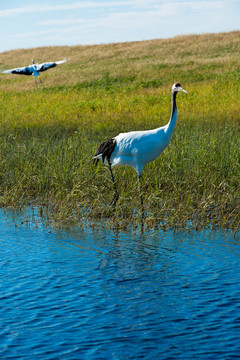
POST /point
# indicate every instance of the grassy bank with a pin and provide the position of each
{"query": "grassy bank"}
(48, 135)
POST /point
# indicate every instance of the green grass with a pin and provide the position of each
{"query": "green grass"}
(48, 135)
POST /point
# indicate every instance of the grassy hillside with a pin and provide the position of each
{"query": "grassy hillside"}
(49, 133)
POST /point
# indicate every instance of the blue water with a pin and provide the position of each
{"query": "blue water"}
(89, 293)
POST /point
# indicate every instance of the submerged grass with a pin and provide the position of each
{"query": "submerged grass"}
(48, 135)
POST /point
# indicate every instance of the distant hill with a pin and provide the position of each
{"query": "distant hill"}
(158, 61)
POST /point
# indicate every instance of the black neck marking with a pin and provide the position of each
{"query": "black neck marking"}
(174, 103)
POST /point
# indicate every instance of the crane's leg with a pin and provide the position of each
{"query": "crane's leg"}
(40, 80)
(115, 197)
(142, 206)
(140, 190)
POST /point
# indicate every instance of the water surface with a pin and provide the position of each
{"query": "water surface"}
(89, 293)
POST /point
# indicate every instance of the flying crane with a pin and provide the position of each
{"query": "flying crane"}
(34, 69)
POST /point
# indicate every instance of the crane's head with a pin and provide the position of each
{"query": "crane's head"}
(33, 61)
(177, 87)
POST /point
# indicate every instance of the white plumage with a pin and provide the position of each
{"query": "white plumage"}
(137, 148)
(34, 69)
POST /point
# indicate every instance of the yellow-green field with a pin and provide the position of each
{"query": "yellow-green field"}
(49, 133)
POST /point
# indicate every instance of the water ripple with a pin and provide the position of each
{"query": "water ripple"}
(81, 294)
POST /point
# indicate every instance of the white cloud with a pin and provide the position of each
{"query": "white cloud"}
(61, 22)
(162, 9)
(37, 8)
(163, 15)
(70, 6)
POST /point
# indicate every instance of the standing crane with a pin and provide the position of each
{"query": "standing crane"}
(34, 69)
(138, 148)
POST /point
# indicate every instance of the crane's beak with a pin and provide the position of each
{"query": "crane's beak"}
(183, 90)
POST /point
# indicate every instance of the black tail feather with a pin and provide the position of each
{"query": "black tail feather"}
(106, 149)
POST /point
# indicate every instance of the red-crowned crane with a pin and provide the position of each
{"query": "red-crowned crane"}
(34, 69)
(138, 148)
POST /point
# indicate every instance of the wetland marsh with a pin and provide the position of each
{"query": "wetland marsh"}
(49, 134)
(81, 279)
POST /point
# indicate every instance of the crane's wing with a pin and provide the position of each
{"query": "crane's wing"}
(20, 71)
(49, 65)
(140, 143)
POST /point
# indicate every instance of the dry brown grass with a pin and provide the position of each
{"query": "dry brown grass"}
(143, 59)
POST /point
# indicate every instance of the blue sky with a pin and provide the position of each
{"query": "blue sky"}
(26, 24)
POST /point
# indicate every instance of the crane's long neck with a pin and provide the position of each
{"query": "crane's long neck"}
(172, 122)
